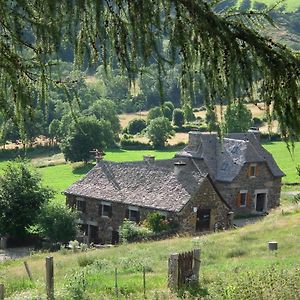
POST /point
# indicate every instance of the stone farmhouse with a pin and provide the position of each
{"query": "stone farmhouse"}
(245, 174)
(111, 192)
(198, 188)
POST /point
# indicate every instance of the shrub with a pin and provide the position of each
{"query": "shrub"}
(188, 113)
(85, 260)
(270, 137)
(22, 197)
(57, 223)
(77, 285)
(130, 231)
(136, 126)
(178, 117)
(170, 105)
(154, 113)
(134, 145)
(168, 113)
(257, 122)
(157, 222)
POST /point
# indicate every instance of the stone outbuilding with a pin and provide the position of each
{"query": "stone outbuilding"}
(112, 191)
(245, 174)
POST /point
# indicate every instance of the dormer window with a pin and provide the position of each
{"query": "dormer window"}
(253, 170)
(80, 205)
(105, 209)
(133, 214)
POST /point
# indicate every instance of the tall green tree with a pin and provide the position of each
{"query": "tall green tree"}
(238, 118)
(106, 110)
(158, 132)
(22, 196)
(226, 47)
(87, 134)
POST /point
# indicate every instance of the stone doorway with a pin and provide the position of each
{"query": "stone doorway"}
(93, 234)
(261, 202)
(115, 237)
(203, 219)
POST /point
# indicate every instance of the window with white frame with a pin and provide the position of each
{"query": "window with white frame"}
(243, 198)
(252, 170)
(105, 209)
(133, 214)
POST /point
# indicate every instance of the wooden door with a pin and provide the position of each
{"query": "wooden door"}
(260, 202)
(203, 219)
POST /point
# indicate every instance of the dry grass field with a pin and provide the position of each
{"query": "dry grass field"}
(257, 111)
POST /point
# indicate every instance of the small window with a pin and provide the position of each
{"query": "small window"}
(244, 199)
(252, 170)
(81, 205)
(133, 214)
(105, 209)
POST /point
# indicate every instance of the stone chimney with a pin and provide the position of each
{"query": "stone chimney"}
(178, 167)
(203, 142)
(149, 158)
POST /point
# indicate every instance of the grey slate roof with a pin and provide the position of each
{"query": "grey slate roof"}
(225, 160)
(139, 184)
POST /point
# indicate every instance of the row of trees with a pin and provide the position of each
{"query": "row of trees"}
(161, 122)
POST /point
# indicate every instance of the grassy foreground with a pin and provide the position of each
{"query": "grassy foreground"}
(234, 265)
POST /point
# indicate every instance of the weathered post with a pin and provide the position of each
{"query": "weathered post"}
(273, 246)
(196, 265)
(49, 278)
(173, 271)
(116, 283)
(2, 291)
(144, 281)
(3, 243)
(28, 270)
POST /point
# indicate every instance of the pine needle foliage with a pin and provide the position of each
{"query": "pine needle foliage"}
(225, 47)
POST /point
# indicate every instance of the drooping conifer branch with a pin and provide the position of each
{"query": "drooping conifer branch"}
(226, 48)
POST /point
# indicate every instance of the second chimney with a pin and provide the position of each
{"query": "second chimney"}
(178, 167)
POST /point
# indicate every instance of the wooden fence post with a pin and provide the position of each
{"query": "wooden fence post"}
(2, 291)
(49, 278)
(144, 282)
(196, 264)
(28, 270)
(116, 283)
(173, 271)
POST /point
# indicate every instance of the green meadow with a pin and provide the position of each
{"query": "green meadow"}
(60, 176)
(290, 5)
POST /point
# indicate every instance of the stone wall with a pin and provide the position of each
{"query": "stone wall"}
(105, 224)
(263, 181)
(205, 198)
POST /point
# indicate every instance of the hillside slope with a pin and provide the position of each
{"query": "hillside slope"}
(234, 265)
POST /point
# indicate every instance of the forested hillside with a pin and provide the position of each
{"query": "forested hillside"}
(103, 94)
